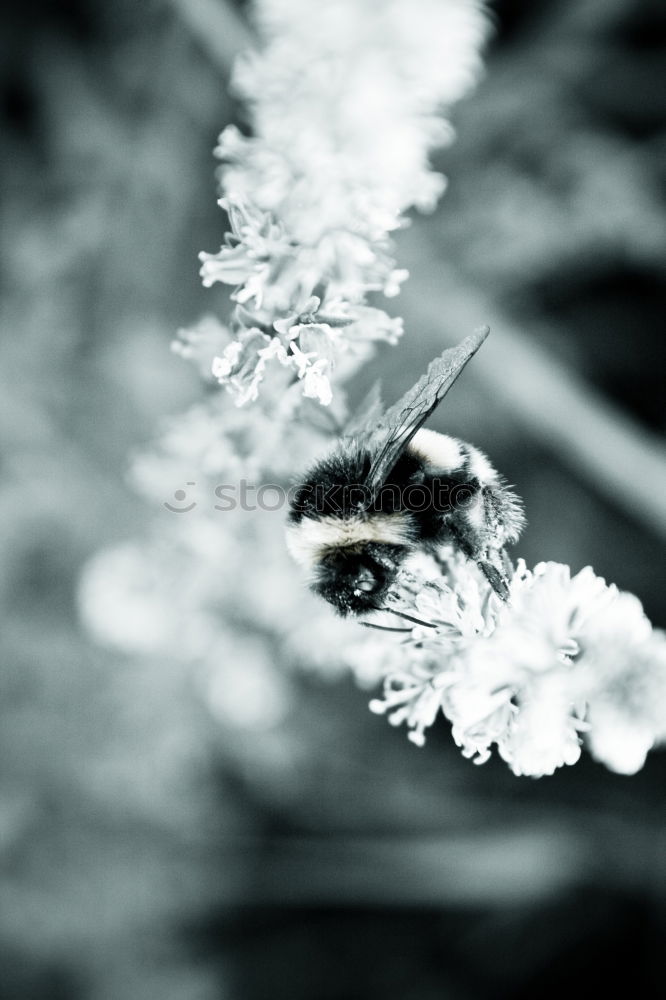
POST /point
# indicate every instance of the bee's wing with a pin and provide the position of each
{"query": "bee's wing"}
(401, 422)
(368, 415)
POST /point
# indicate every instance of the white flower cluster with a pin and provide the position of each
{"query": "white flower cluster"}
(344, 110)
(565, 660)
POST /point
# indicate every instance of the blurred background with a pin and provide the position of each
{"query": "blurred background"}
(149, 848)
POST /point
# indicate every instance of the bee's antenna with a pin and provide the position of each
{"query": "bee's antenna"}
(384, 628)
(409, 618)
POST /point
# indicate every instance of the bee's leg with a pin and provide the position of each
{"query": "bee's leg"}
(479, 531)
(485, 520)
(495, 578)
(507, 565)
(502, 515)
(501, 520)
(467, 541)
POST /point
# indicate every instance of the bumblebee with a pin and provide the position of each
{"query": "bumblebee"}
(391, 487)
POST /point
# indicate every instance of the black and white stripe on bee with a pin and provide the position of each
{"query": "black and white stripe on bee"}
(390, 488)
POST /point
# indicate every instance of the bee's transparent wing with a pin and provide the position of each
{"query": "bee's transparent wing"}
(401, 422)
(368, 416)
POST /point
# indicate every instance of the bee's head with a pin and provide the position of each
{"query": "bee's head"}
(355, 580)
